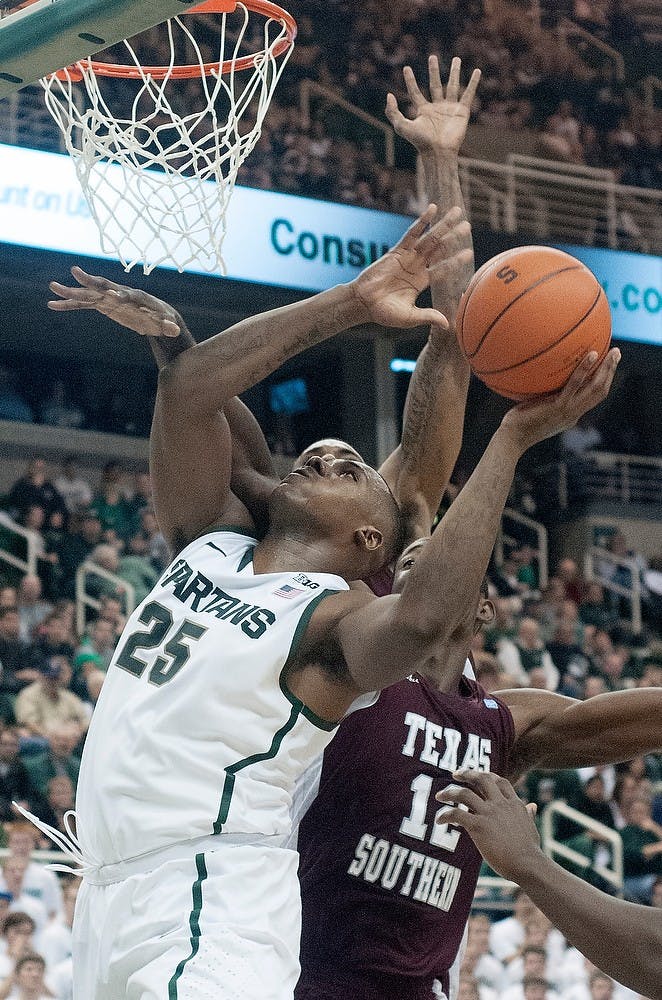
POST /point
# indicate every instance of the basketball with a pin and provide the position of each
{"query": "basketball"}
(528, 317)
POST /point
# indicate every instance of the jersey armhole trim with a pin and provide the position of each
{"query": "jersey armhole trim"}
(232, 528)
(299, 632)
(246, 559)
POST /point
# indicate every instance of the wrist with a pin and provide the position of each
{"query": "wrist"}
(353, 303)
(436, 153)
(511, 439)
(527, 867)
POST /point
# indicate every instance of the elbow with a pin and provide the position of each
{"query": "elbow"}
(185, 380)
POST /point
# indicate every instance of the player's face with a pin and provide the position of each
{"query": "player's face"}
(328, 448)
(342, 477)
(406, 562)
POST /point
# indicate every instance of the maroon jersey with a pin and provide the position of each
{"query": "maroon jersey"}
(386, 891)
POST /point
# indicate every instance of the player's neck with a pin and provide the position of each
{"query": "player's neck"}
(279, 553)
(453, 659)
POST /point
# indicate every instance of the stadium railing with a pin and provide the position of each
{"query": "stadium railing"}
(603, 476)
(534, 534)
(85, 600)
(33, 545)
(584, 41)
(652, 90)
(553, 848)
(601, 566)
(559, 201)
(310, 89)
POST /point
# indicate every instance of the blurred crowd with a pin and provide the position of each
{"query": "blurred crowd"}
(581, 113)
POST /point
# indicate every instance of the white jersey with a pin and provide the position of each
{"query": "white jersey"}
(195, 732)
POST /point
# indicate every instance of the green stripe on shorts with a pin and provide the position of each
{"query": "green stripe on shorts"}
(194, 924)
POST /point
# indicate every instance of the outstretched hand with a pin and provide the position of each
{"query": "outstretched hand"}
(498, 822)
(388, 289)
(130, 307)
(536, 420)
(441, 123)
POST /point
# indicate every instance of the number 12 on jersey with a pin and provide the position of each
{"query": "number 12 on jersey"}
(415, 825)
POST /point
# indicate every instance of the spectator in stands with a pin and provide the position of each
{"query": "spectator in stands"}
(38, 882)
(159, 553)
(47, 705)
(15, 784)
(55, 940)
(13, 875)
(136, 569)
(507, 935)
(12, 405)
(8, 597)
(17, 931)
(53, 638)
(594, 610)
(568, 655)
(519, 657)
(642, 852)
(100, 640)
(75, 548)
(111, 504)
(105, 556)
(16, 657)
(594, 801)
(484, 967)
(57, 411)
(142, 497)
(110, 609)
(32, 609)
(532, 962)
(34, 490)
(59, 801)
(29, 978)
(59, 758)
(625, 792)
(550, 608)
(73, 488)
(568, 573)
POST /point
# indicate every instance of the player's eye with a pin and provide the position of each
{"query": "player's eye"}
(349, 473)
(408, 563)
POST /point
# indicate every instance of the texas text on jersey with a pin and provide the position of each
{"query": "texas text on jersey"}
(386, 890)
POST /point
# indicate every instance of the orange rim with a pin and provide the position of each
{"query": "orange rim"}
(127, 72)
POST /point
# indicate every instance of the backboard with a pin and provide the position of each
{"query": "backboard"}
(38, 37)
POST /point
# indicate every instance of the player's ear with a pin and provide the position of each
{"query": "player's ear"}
(369, 538)
(486, 612)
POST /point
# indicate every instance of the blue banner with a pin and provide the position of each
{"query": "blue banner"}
(279, 239)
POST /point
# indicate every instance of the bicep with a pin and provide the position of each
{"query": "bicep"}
(377, 645)
(190, 464)
(544, 732)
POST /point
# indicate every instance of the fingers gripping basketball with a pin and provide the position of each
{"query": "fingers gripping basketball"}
(528, 317)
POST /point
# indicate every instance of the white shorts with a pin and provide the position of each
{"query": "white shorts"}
(218, 925)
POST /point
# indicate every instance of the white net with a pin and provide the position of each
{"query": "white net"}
(157, 174)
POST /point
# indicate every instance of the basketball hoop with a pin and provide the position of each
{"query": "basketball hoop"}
(157, 156)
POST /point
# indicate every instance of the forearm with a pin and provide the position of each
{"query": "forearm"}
(607, 729)
(442, 179)
(166, 349)
(622, 939)
(447, 284)
(432, 427)
(238, 358)
(442, 589)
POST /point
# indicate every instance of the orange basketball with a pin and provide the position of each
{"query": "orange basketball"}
(528, 317)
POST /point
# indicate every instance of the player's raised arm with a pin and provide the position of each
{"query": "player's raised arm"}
(622, 939)
(387, 638)
(557, 732)
(191, 446)
(420, 468)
